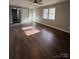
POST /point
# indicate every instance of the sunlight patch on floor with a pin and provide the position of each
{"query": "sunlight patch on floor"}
(30, 30)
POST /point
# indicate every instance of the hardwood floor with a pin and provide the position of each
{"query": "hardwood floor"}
(49, 43)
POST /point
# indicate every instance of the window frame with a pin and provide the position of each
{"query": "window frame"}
(49, 13)
(44, 14)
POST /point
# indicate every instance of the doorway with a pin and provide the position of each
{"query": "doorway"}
(15, 16)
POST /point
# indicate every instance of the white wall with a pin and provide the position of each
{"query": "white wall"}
(10, 15)
(24, 15)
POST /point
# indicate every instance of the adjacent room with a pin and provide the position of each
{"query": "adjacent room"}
(39, 29)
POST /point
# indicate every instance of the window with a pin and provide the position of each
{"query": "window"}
(49, 14)
(52, 13)
(45, 13)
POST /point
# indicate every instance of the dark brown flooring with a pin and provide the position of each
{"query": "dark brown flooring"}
(47, 44)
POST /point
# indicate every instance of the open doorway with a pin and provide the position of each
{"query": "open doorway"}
(16, 15)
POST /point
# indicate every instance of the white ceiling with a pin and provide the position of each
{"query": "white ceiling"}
(30, 4)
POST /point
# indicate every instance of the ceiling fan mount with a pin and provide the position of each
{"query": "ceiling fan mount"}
(35, 1)
(38, 1)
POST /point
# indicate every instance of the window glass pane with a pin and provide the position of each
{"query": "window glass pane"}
(52, 13)
(45, 13)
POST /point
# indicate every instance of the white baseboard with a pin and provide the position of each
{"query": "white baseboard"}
(55, 27)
